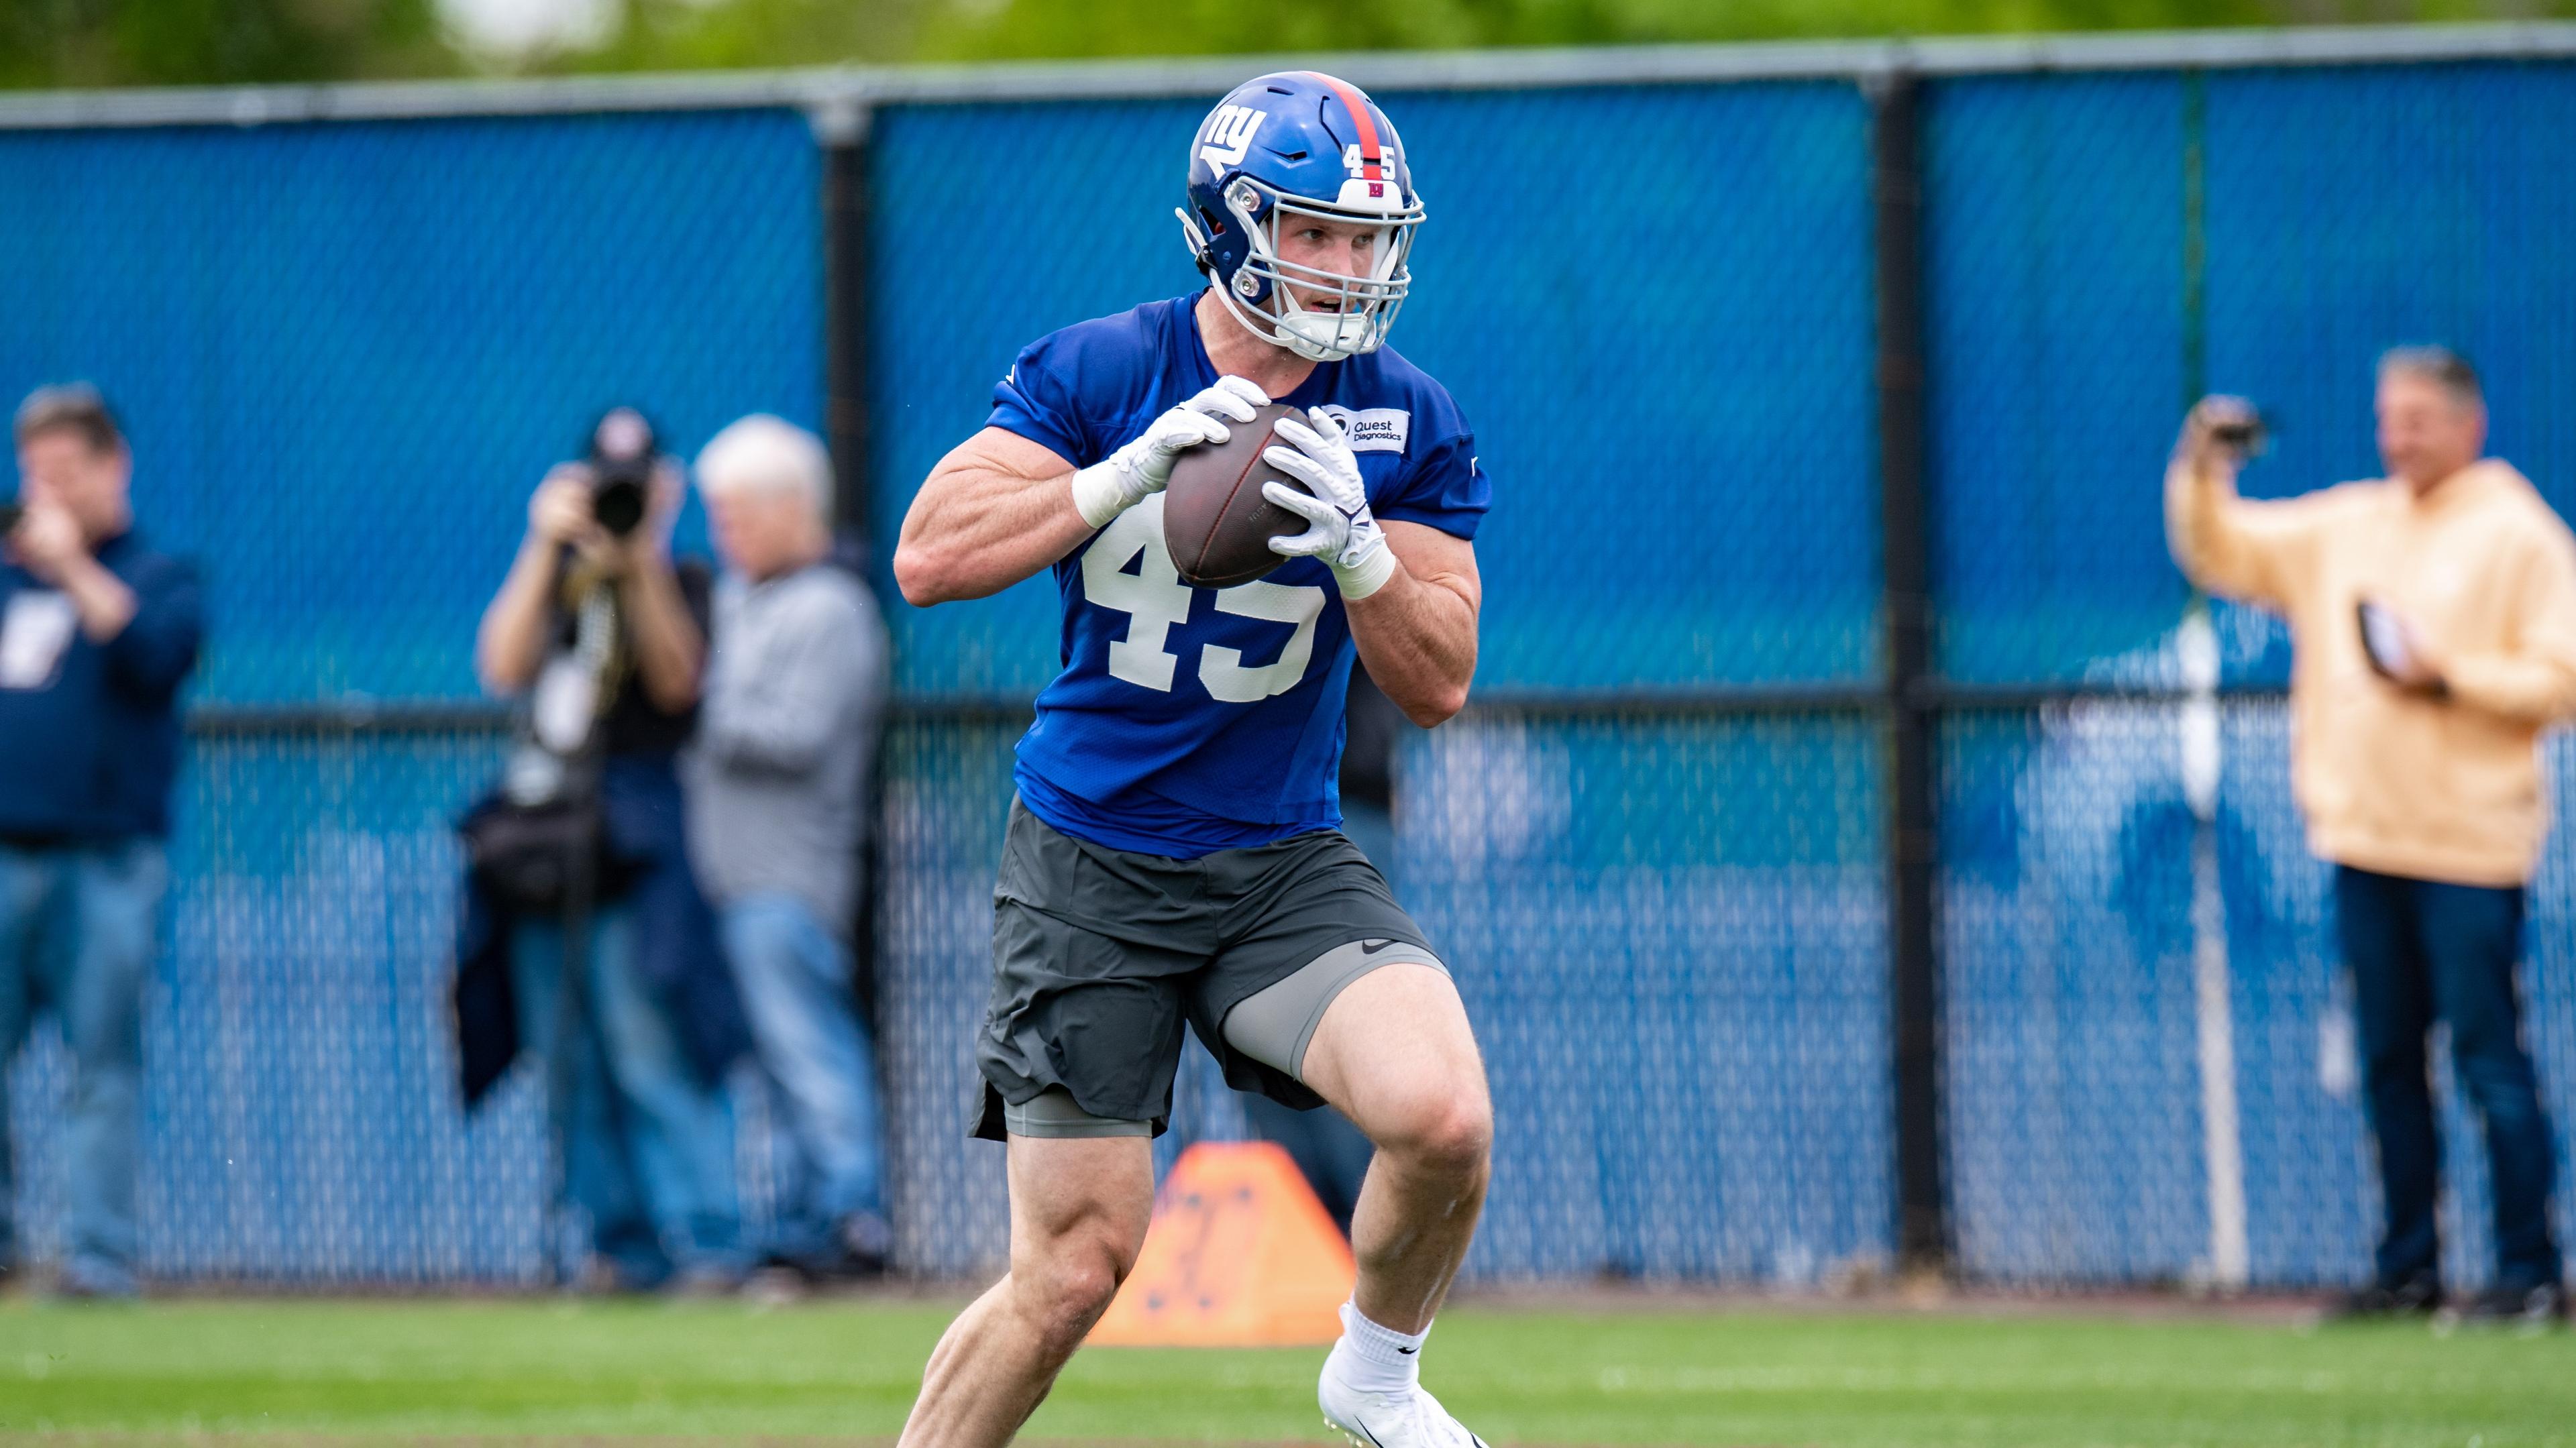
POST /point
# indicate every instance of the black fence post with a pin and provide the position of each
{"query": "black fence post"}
(841, 128)
(1896, 197)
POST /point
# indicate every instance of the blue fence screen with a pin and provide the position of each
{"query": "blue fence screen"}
(346, 353)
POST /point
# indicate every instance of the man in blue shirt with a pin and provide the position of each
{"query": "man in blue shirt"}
(97, 632)
(1174, 852)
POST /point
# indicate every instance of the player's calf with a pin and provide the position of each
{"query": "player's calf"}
(1000, 1358)
(1078, 1213)
(1425, 1190)
(1427, 1184)
(1395, 1052)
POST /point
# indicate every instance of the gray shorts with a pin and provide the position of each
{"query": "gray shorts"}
(1099, 955)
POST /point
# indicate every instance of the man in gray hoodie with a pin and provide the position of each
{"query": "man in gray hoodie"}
(778, 780)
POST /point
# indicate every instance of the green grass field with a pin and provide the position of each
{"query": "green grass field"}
(1660, 1375)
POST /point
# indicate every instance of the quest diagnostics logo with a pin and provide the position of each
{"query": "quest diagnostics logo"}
(1373, 429)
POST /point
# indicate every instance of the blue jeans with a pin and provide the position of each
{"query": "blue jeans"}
(647, 1149)
(794, 977)
(78, 928)
(2421, 951)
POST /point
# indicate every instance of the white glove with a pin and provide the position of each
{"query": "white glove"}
(1139, 470)
(1344, 533)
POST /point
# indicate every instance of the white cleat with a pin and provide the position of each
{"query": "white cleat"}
(1378, 1420)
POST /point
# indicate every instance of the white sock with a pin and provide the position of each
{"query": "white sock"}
(1374, 1359)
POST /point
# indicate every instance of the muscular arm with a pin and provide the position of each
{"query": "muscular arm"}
(1000, 508)
(996, 510)
(1417, 634)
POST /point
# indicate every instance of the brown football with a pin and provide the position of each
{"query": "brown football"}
(1215, 521)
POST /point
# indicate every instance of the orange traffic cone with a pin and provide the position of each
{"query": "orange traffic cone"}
(1240, 1254)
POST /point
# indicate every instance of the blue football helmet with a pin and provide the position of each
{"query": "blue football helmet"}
(1296, 148)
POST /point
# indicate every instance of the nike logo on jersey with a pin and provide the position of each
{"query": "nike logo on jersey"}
(1372, 947)
(1408, 1351)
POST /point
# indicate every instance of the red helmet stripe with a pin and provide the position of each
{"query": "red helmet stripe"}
(1371, 158)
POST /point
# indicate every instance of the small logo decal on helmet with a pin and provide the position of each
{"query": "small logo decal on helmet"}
(1229, 137)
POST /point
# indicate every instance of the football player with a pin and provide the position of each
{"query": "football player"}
(1173, 854)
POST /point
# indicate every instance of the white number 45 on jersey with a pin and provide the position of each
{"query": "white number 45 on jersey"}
(1154, 600)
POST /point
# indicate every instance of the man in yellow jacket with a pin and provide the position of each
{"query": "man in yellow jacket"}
(2435, 617)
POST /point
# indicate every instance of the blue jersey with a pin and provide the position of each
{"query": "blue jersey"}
(1189, 720)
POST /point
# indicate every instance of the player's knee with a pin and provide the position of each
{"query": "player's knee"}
(1064, 1294)
(1450, 1132)
(1462, 1137)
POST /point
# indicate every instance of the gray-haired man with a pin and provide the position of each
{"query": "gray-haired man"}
(778, 803)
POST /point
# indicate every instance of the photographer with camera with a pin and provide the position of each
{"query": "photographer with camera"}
(2435, 617)
(97, 632)
(582, 910)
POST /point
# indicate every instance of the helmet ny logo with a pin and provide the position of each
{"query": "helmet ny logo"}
(1370, 167)
(1229, 136)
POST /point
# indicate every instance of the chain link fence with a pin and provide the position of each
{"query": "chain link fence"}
(2101, 249)
(1657, 849)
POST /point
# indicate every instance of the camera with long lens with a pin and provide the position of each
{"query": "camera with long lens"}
(622, 455)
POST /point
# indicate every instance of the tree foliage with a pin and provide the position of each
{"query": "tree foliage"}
(57, 43)
(54, 43)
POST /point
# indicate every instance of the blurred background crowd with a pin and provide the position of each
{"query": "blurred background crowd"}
(2079, 1021)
